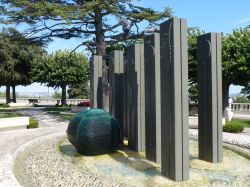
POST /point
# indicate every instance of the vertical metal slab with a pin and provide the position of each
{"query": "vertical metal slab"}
(116, 71)
(152, 97)
(174, 99)
(210, 97)
(125, 98)
(96, 81)
(135, 97)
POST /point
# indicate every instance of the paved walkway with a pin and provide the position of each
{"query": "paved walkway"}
(242, 115)
(11, 140)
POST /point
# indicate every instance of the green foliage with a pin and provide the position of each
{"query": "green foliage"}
(236, 57)
(81, 19)
(193, 92)
(57, 95)
(244, 122)
(16, 54)
(4, 106)
(9, 114)
(61, 69)
(241, 99)
(2, 94)
(57, 109)
(246, 91)
(78, 91)
(33, 123)
(60, 111)
(233, 127)
(193, 33)
(87, 21)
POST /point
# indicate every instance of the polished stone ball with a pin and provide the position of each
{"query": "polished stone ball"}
(94, 132)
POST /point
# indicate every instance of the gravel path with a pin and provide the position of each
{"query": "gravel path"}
(13, 141)
(34, 163)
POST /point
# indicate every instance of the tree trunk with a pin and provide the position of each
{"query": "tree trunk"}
(14, 93)
(7, 94)
(225, 95)
(64, 101)
(101, 51)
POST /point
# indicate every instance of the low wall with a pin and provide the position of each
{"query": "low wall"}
(42, 101)
(193, 122)
(13, 123)
(240, 107)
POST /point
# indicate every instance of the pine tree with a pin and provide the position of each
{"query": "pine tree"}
(87, 20)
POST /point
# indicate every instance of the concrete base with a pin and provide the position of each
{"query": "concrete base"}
(193, 122)
(13, 123)
(19, 104)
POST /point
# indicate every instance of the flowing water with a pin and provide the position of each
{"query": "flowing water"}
(131, 168)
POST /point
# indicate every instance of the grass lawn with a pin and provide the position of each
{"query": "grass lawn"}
(5, 113)
(2, 105)
(59, 111)
(244, 122)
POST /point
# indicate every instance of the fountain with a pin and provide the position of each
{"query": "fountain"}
(133, 169)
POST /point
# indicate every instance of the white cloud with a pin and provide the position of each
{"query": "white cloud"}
(243, 21)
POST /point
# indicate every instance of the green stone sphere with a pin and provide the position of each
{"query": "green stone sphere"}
(94, 132)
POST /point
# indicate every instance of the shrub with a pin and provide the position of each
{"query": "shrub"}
(4, 105)
(33, 123)
(241, 100)
(35, 105)
(233, 127)
(84, 104)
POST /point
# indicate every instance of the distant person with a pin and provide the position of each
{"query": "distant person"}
(230, 101)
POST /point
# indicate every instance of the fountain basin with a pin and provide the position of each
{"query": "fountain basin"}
(54, 162)
(131, 168)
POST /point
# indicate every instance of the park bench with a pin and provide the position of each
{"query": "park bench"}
(33, 101)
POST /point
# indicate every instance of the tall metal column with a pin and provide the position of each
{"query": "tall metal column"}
(135, 97)
(210, 97)
(96, 81)
(116, 70)
(174, 99)
(152, 97)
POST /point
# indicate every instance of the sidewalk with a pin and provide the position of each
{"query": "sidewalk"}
(241, 115)
(11, 141)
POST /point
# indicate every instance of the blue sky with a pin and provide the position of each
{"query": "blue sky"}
(208, 15)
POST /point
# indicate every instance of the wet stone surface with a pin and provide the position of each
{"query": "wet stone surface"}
(55, 162)
(41, 164)
(133, 169)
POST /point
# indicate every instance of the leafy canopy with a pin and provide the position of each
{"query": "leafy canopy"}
(60, 69)
(236, 57)
(16, 55)
(93, 21)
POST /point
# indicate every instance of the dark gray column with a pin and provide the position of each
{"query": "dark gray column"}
(152, 97)
(210, 97)
(174, 99)
(135, 97)
(116, 70)
(96, 81)
(125, 99)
